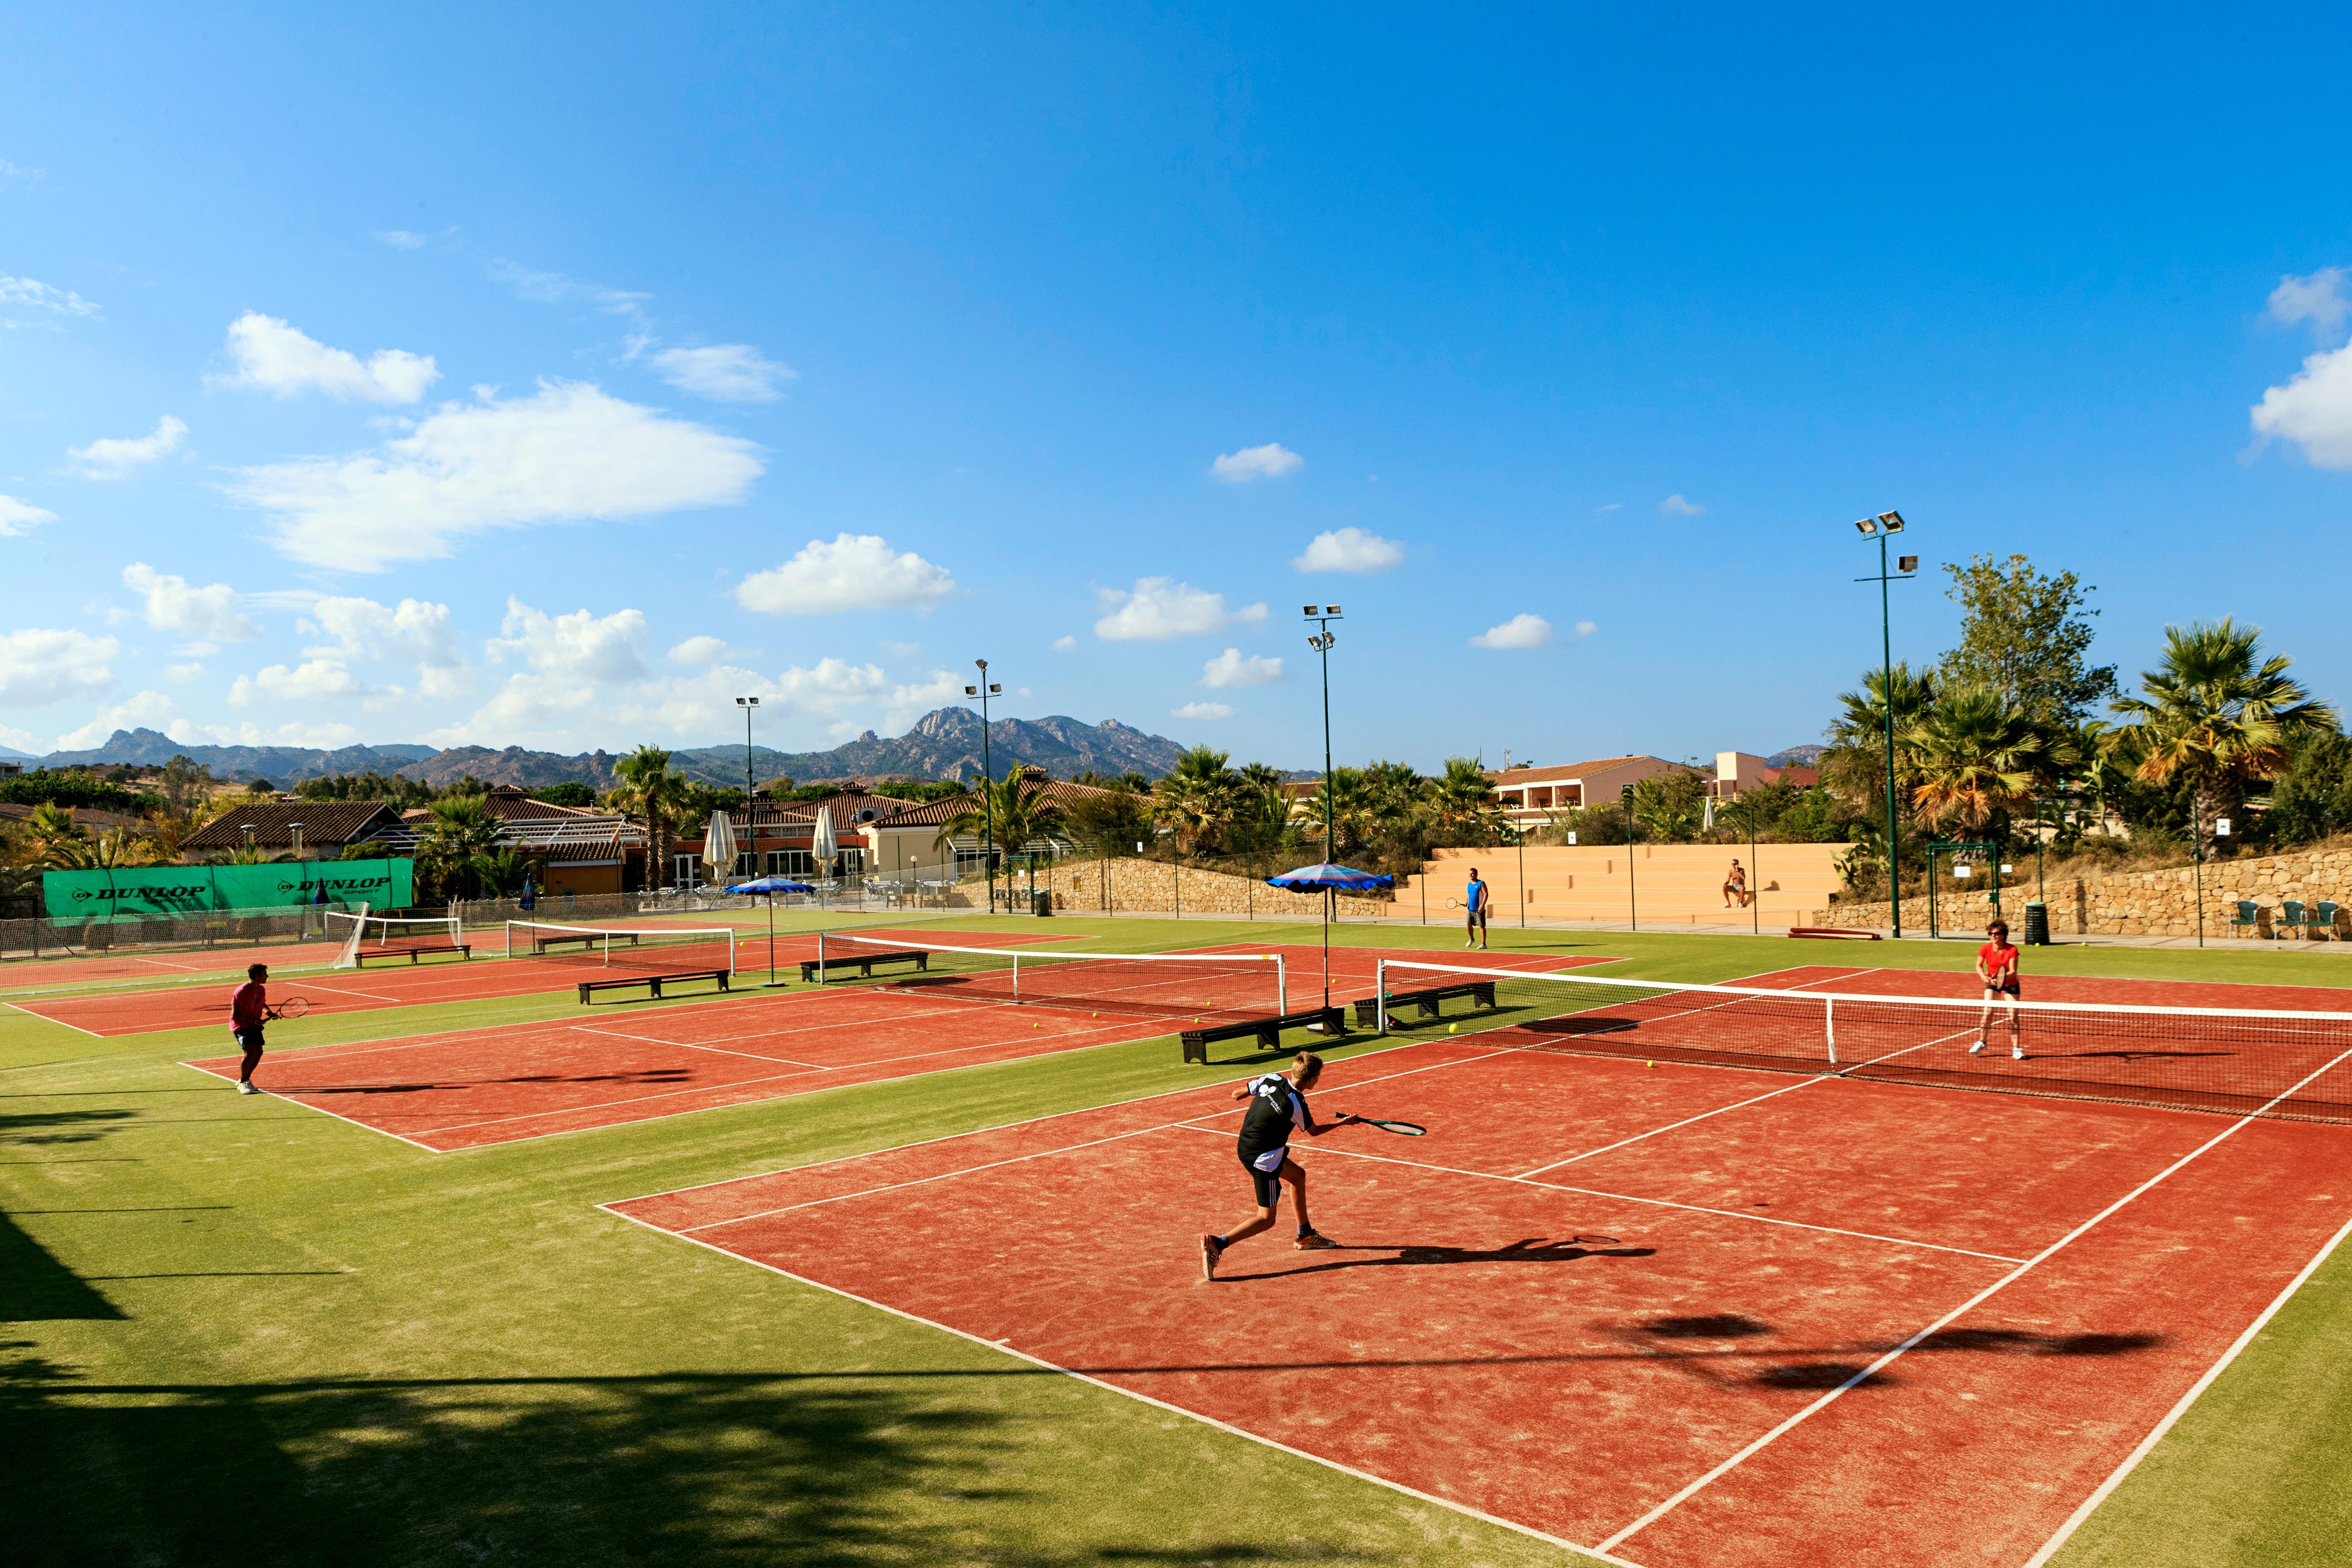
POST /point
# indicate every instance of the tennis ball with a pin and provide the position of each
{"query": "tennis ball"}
(1452, 1028)
(1649, 1064)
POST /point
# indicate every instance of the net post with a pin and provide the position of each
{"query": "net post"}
(1381, 996)
(1281, 984)
(820, 958)
(349, 958)
(730, 949)
(1016, 979)
(1829, 1026)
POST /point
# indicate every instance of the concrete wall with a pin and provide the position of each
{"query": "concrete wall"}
(1090, 887)
(1673, 884)
(2139, 904)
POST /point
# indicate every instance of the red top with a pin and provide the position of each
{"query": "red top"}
(1998, 957)
(246, 1006)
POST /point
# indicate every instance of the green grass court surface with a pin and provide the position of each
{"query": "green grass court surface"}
(239, 1332)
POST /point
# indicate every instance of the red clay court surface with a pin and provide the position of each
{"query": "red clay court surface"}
(1684, 1315)
(389, 983)
(471, 1088)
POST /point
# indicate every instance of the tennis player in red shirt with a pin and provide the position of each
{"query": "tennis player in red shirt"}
(249, 1009)
(1997, 967)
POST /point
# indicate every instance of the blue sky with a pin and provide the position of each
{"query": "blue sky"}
(552, 376)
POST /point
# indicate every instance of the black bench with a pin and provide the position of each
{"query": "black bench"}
(655, 981)
(463, 949)
(864, 963)
(1368, 1008)
(585, 939)
(1333, 1021)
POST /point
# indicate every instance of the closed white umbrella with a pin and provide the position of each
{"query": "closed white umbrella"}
(718, 848)
(827, 847)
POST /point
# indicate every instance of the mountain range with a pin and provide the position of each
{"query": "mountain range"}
(943, 744)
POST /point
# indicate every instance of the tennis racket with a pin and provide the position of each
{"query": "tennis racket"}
(1401, 1129)
(292, 1007)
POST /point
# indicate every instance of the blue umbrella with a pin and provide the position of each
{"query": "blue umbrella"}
(771, 886)
(1326, 879)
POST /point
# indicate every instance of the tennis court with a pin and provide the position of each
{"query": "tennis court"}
(1685, 1314)
(467, 1088)
(388, 983)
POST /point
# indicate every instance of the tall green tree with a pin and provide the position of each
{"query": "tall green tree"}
(1197, 797)
(1014, 811)
(457, 834)
(1854, 766)
(1977, 756)
(2026, 638)
(2218, 713)
(649, 790)
(1114, 823)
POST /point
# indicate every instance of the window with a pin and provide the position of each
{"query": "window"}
(682, 873)
(791, 863)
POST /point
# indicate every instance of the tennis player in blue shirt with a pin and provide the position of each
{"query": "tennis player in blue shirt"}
(1473, 906)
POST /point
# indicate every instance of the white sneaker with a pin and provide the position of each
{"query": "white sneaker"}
(2018, 1052)
(245, 1086)
(1468, 945)
(1976, 1049)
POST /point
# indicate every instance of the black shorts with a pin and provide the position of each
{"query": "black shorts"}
(248, 1039)
(1268, 1185)
(2010, 991)
(1477, 917)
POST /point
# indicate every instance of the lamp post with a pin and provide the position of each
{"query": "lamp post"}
(984, 691)
(1906, 568)
(1322, 641)
(1632, 904)
(750, 788)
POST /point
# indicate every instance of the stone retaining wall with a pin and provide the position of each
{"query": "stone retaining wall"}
(2142, 903)
(1162, 886)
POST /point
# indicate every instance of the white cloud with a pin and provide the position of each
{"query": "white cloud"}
(110, 458)
(700, 650)
(726, 373)
(1674, 506)
(567, 452)
(21, 740)
(16, 173)
(413, 633)
(2318, 298)
(1585, 628)
(581, 648)
(270, 355)
(1349, 550)
(312, 681)
(1612, 506)
(1161, 607)
(1202, 710)
(1271, 462)
(555, 288)
(182, 672)
(2313, 410)
(1235, 668)
(854, 571)
(38, 668)
(900, 649)
(21, 517)
(910, 701)
(401, 239)
(1064, 645)
(147, 710)
(1519, 631)
(208, 614)
(27, 301)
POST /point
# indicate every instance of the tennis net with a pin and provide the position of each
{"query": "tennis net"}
(1220, 985)
(360, 932)
(2238, 1061)
(659, 949)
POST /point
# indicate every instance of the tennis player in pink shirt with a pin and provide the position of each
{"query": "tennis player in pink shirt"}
(249, 1009)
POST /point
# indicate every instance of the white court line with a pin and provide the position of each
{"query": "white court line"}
(295, 1098)
(1760, 1444)
(60, 1023)
(2147, 1444)
(1004, 1349)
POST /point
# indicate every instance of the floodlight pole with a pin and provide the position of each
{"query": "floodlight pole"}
(983, 690)
(1881, 526)
(1322, 641)
(750, 788)
(1632, 904)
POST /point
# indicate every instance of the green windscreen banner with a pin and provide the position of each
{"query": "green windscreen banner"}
(146, 893)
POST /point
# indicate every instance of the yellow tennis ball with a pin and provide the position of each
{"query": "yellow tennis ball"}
(1649, 1064)
(1452, 1028)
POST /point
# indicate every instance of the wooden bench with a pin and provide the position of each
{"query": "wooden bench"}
(462, 949)
(655, 981)
(585, 939)
(1268, 1031)
(864, 963)
(1368, 1008)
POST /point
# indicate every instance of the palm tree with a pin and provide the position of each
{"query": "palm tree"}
(1461, 799)
(1197, 797)
(460, 831)
(648, 789)
(1854, 766)
(55, 832)
(1670, 807)
(1974, 756)
(501, 872)
(1017, 811)
(1353, 809)
(2214, 713)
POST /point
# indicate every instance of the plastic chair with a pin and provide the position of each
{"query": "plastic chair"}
(2289, 917)
(2248, 915)
(2323, 916)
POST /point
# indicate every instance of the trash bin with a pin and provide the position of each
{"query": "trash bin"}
(2037, 923)
(1041, 902)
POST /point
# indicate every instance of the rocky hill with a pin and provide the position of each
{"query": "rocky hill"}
(278, 764)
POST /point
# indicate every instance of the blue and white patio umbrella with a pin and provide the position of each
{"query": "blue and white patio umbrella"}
(1328, 879)
(771, 886)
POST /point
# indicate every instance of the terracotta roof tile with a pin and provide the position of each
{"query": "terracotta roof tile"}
(326, 825)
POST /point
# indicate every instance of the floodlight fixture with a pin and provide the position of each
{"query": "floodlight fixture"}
(996, 691)
(972, 691)
(1309, 611)
(1330, 609)
(747, 702)
(1868, 525)
(1891, 520)
(1906, 563)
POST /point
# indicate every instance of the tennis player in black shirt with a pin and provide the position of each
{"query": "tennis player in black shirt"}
(1277, 1104)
